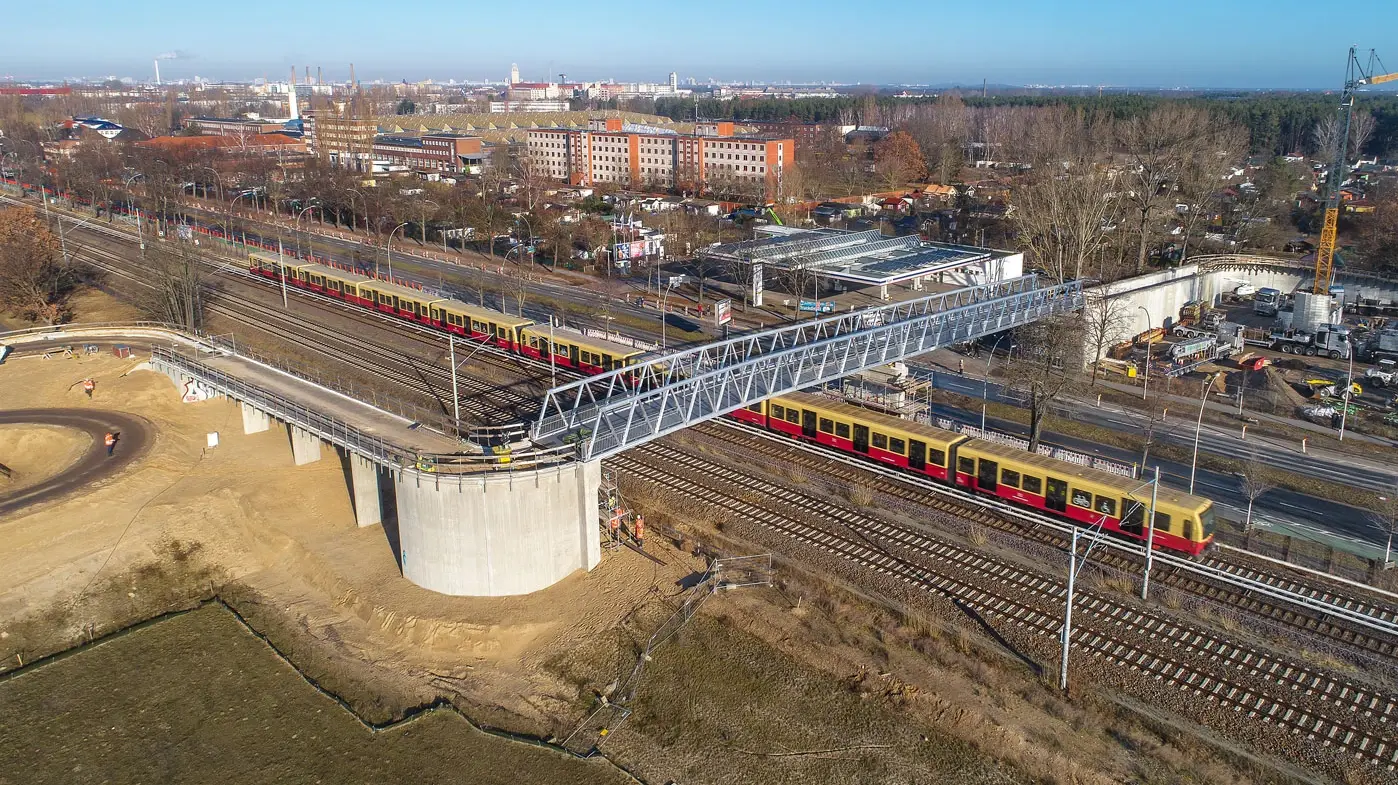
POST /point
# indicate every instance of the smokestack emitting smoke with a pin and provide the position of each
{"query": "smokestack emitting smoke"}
(175, 55)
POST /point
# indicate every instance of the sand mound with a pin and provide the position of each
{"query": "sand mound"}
(34, 453)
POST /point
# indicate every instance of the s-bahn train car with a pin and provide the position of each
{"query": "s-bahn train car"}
(481, 324)
(572, 350)
(413, 305)
(1183, 522)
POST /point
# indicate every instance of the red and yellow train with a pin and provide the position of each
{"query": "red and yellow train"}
(512, 333)
(1183, 522)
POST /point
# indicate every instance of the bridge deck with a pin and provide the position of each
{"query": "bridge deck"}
(367, 419)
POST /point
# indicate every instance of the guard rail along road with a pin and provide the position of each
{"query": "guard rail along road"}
(612, 412)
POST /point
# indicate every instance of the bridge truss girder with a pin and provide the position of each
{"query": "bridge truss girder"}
(615, 411)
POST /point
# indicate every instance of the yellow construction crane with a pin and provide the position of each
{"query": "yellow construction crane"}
(1356, 76)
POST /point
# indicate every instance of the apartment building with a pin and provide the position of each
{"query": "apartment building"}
(639, 156)
(345, 141)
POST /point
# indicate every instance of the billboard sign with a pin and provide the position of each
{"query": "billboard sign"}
(723, 312)
(757, 284)
(817, 306)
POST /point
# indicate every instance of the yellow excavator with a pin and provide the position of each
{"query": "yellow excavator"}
(1357, 75)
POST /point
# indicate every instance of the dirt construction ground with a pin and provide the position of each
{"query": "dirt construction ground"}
(799, 683)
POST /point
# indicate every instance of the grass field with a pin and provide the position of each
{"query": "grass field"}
(198, 698)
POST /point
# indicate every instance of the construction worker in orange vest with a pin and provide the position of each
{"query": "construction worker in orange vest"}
(616, 523)
(110, 441)
(640, 530)
(88, 386)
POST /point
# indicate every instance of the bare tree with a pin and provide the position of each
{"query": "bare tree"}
(1106, 320)
(1253, 481)
(1049, 365)
(35, 281)
(1326, 135)
(181, 285)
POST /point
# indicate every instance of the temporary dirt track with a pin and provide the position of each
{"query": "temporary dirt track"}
(134, 437)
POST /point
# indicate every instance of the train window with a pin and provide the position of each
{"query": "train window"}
(842, 430)
(880, 441)
(1032, 484)
(936, 456)
(1082, 499)
(1189, 530)
(966, 465)
(1206, 518)
(793, 416)
(756, 407)
(477, 327)
(827, 425)
(1106, 506)
(608, 364)
(1009, 477)
(778, 411)
(897, 446)
(1162, 521)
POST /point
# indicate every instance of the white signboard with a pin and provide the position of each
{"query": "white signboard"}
(757, 284)
(723, 312)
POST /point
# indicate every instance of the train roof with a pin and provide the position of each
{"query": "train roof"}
(326, 270)
(929, 433)
(285, 261)
(477, 312)
(591, 342)
(398, 290)
(1066, 470)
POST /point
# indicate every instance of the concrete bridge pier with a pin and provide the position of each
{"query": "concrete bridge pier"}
(498, 533)
(305, 446)
(254, 420)
(365, 490)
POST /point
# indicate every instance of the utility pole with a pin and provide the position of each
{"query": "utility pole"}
(1150, 533)
(1073, 567)
(281, 265)
(455, 399)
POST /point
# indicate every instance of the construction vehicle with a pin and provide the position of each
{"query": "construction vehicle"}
(1331, 340)
(1266, 301)
(1380, 346)
(1198, 324)
(1356, 76)
(1385, 375)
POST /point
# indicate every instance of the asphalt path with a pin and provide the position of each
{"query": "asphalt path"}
(134, 437)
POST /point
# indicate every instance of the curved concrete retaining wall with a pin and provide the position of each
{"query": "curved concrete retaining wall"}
(498, 534)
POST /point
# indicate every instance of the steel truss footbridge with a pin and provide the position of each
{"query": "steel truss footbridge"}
(621, 409)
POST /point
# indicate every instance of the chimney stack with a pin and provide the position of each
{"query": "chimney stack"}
(292, 83)
(318, 76)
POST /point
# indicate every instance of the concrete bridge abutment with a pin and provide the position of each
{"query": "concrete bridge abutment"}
(254, 420)
(365, 478)
(498, 533)
(305, 446)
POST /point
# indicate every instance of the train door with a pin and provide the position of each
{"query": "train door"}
(808, 423)
(1056, 495)
(917, 455)
(861, 438)
(1133, 516)
(573, 355)
(988, 475)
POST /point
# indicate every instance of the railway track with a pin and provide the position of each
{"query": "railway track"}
(484, 401)
(765, 448)
(1248, 682)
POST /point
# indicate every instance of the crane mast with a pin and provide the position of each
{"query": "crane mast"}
(1356, 76)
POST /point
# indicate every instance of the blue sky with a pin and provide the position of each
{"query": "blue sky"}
(1223, 43)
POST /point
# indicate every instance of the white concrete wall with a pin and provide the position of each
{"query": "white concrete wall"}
(498, 534)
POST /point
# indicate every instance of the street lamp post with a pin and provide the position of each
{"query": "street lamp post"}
(1145, 385)
(1349, 385)
(126, 186)
(294, 227)
(218, 184)
(663, 300)
(62, 243)
(1198, 426)
(388, 251)
(985, 383)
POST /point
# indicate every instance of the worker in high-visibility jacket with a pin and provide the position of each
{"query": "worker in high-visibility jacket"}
(615, 523)
(110, 440)
(640, 530)
(88, 386)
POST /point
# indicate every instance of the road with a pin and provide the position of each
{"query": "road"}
(134, 438)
